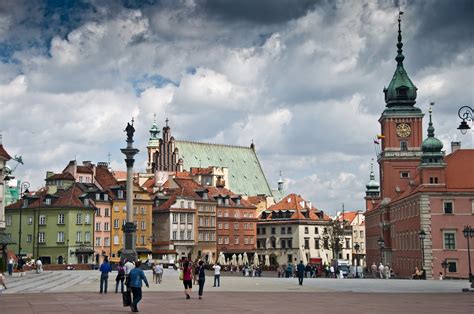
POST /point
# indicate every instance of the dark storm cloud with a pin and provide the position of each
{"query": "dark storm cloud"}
(264, 11)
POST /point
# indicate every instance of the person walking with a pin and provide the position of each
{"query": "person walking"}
(2, 281)
(187, 278)
(300, 272)
(128, 268)
(201, 278)
(217, 275)
(308, 271)
(10, 266)
(159, 273)
(120, 277)
(331, 269)
(136, 277)
(381, 270)
(373, 269)
(104, 269)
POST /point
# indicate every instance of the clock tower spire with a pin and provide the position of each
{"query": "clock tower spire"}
(401, 126)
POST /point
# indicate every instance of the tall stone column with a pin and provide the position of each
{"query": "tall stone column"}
(129, 229)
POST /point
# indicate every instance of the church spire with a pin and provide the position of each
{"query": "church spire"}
(400, 57)
(154, 129)
(431, 146)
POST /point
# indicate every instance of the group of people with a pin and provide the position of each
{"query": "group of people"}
(189, 272)
(291, 271)
(128, 273)
(420, 273)
(381, 271)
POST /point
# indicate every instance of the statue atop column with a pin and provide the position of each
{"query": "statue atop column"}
(130, 130)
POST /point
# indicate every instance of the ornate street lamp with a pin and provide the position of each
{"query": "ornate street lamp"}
(381, 244)
(469, 233)
(465, 113)
(445, 265)
(357, 247)
(422, 236)
(23, 191)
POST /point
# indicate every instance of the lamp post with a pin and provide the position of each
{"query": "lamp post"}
(357, 247)
(469, 233)
(23, 190)
(422, 236)
(381, 243)
(465, 113)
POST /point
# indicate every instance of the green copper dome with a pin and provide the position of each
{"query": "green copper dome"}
(432, 146)
(401, 91)
(372, 185)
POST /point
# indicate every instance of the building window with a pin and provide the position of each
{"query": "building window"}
(189, 205)
(41, 237)
(290, 258)
(142, 240)
(116, 208)
(182, 218)
(87, 236)
(107, 212)
(97, 196)
(87, 219)
(362, 234)
(226, 240)
(282, 230)
(306, 243)
(448, 207)
(175, 235)
(306, 230)
(47, 201)
(106, 197)
(181, 235)
(219, 225)
(251, 240)
(226, 226)
(220, 240)
(135, 210)
(9, 220)
(206, 236)
(116, 223)
(273, 242)
(143, 210)
(288, 230)
(236, 240)
(190, 218)
(60, 237)
(201, 236)
(403, 145)
(226, 213)
(246, 240)
(143, 225)
(404, 174)
(181, 204)
(219, 213)
(316, 230)
(120, 194)
(264, 230)
(316, 244)
(175, 218)
(106, 226)
(97, 226)
(273, 230)
(236, 225)
(30, 220)
(326, 244)
(189, 235)
(452, 266)
(283, 244)
(348, 243)
(97, 241)
(449, 240)
(42, 220)
(78, 236)
(78, 219)
(29, 238)
(106, 241)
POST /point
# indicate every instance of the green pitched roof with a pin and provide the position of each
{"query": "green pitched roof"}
(246, 176)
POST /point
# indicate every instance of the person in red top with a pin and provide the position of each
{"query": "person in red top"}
(187, 278)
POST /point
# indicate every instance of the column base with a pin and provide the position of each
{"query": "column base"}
(129, 255)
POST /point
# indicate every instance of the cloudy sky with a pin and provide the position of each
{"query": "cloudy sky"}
(303, 79)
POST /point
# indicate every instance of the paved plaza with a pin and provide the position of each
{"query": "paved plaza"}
(77, 292)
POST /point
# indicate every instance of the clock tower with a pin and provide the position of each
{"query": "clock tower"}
(401, 126)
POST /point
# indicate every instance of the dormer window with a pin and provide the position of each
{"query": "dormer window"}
(25, 202)
(86, 202)
(219, 201)
(106, 197)
(205, 195)
(226, 201)
(120, 193)
(237, 201)
(47, 201)
(97, 196)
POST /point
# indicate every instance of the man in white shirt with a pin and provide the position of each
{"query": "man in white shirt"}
(128, 268)
(159, 273)
(217, 274)
(39, 266)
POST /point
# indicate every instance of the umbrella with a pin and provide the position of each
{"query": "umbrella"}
(255, 259)
(227, 262)
(221, 258)
(267, 260)
(240, 260)
(234, 260)
(245, 259)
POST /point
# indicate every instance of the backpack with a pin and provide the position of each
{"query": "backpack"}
(121, 271)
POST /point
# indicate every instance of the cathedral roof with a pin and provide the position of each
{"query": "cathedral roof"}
(246, 175)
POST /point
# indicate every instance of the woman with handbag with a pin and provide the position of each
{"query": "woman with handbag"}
(120, 277)
(187, 278)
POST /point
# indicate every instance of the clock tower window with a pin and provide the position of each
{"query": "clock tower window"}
(403, 145)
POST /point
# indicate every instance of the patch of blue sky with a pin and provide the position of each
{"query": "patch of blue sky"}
(141, 84)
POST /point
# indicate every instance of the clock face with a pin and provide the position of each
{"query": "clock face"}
(403, 130)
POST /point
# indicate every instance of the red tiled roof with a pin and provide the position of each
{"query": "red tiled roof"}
(61, 176)
(296, 204)
(84, 169)
(105, 178)
(348, 216)
(213, 192)
(197, 171)
(256, 199)
(4, 154)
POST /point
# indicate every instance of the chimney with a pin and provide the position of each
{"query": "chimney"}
(455, 146)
